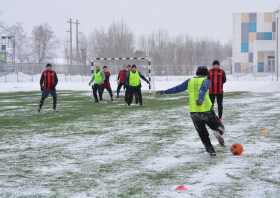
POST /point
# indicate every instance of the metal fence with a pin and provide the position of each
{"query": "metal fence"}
(263, 72)
(82, 73)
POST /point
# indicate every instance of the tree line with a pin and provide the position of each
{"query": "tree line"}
(118, 40)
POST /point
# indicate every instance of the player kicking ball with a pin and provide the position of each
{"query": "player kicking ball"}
(201, 110)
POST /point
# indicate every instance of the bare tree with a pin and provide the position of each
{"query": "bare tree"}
(66, 51)
(22, 51)
(118, 41)
(43, 43)
(3, 26)
(83, 48)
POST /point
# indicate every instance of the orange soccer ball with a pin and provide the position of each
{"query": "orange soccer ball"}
(236, 149)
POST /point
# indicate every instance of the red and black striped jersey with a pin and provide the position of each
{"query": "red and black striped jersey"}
(106, 81)
(48, 80)
(217, 79)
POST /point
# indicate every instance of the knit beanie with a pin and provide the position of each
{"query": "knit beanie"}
(216, 62)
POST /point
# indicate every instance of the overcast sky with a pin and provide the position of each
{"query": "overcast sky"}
(199, 18)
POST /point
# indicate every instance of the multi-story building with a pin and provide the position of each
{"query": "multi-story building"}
(255, 43)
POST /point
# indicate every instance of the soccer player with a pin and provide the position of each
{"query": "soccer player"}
(48, 83)
(133, 77)
(201, 110)
(106, 83)
(127, 90)
(121, 78)
(217, 77)
(98, 78)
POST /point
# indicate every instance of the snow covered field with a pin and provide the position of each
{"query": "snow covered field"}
(106, 150)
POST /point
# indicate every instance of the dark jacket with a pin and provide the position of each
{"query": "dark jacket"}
(127, 80)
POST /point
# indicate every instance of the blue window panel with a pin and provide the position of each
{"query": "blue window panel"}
(237, 67)
(250, 57)
(273, 26)
(260, 35)
(244, 27)
(252, 27)
(252, 17)
(260, 67)
(244, 47)
(268, 36)
(244, 37)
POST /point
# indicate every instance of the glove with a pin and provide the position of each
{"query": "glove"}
(148, 82)
(123, 87)
(199, 101)
(53, 88)
(162, 92)
(118, 82)
(89, 83)
(42, 88)
(100, 83)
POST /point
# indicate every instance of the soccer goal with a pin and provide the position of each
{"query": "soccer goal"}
(148, 67)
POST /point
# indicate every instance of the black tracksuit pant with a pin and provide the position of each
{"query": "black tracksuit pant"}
(219, 101)
(119, 87)
(134, 91)
(109, 90)
(96, 87)
(209, 118)
(127, 96)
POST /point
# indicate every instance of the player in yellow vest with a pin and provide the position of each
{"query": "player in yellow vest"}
(201, 110)
(98, 78)
(132, 81)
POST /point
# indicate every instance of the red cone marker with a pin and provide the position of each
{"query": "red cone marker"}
(181, 188)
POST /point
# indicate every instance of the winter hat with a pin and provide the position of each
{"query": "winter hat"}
(133, 66)
(128, 65)
(202, 71)
(98, 66)
(216, 62)
(104, 66)
(49, 65)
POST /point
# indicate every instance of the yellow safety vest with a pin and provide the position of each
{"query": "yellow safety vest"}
(193, 89)
(97, 77)
(134, 79)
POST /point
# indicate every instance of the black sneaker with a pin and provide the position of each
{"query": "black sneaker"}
(39, 110)
(219, 137)
(141, 106)
(96, 101)
(212, 154)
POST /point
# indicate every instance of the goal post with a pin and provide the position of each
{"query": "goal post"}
(150, 70)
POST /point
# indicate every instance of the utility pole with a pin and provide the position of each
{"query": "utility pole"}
(77, 42)
(71, 57)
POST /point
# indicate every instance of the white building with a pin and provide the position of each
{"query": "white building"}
(255, 42)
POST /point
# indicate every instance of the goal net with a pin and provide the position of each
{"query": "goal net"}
(144, 65)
